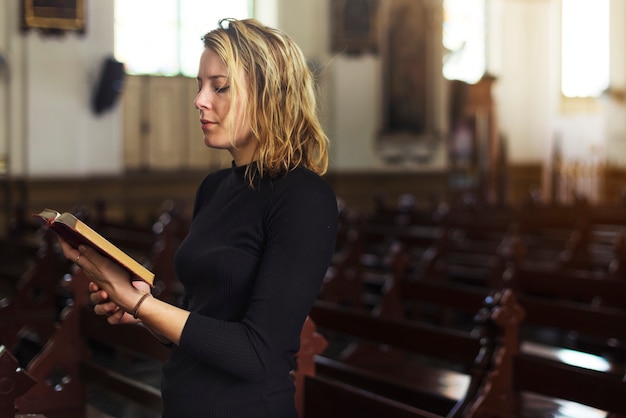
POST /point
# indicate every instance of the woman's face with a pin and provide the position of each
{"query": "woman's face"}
(223, 119)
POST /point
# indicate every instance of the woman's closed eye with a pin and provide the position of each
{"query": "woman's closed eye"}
(222, 89)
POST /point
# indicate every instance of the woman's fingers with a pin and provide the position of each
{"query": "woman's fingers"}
(106, 308)
(68, 251)
(83, 256)
(141, 285)
(98, 296)
(116, 317)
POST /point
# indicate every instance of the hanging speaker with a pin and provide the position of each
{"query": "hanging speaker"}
(109, 86)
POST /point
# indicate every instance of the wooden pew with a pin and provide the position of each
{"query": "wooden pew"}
(548, 232)
(442, 302)
(538, 364)
(546, 371)
(312, 344)
(405, 212)
(14, 382)
(537, 375)
(57, 372)
(348, 221)
(416, 228)
(30, 307)
(87, 355)
(329, 398)
(592, 329)
(602, 248)
(360, 271)
(571, 316)
(568, 285)
(466, 261)
(485, 225)
(340, 390)
(170, 229)
(553, 300)
(564, 321)
(73, 360)
(592, 308)
(33, 307)
(604, 252)
(19, 249)
(37, 314)
(469, 357)
(16, 256)
(455, 246)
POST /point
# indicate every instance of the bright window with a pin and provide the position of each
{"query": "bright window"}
(585, 48)
(465, 40)
(163, 37)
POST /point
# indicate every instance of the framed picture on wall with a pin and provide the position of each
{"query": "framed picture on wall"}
(354, 26)
(54, 15)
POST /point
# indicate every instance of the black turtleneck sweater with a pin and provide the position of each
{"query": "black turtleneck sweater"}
(252, 265)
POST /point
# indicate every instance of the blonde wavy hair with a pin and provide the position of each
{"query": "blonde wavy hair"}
(282, 107)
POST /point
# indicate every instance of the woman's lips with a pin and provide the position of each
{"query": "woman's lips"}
(206, 123)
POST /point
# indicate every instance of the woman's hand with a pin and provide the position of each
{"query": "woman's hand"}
(115, 295)
(103, 306)
(111, 290)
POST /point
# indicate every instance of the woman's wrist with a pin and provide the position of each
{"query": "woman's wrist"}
(135, 310)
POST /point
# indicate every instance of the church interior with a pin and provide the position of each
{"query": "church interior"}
(480, 265)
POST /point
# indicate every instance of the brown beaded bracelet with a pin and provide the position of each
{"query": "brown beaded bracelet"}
(136, 308)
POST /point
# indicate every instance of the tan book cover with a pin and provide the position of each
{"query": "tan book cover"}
(75, 232)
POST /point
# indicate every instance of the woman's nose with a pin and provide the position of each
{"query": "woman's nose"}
(202, 100)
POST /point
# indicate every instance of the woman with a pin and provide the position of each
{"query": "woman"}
(261, 237)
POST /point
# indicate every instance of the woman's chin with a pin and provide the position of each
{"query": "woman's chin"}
(215, 144)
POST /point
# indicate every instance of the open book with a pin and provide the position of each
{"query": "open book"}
(75, 232)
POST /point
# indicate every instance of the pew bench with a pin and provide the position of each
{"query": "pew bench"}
(485, 225)
(436, 370)
(16, 257)
(97, 369)
(91, 369)
(571, 349)
(569, 285)
(541, 368)
(329, 398)
(599, 392)
(578, 310)
(31, 308)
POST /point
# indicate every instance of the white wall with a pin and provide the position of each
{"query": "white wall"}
(523, 91)
(52, 78)
(11, 90)
(525, 55)
(615, 112)
(356, 120)
(47, 128)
